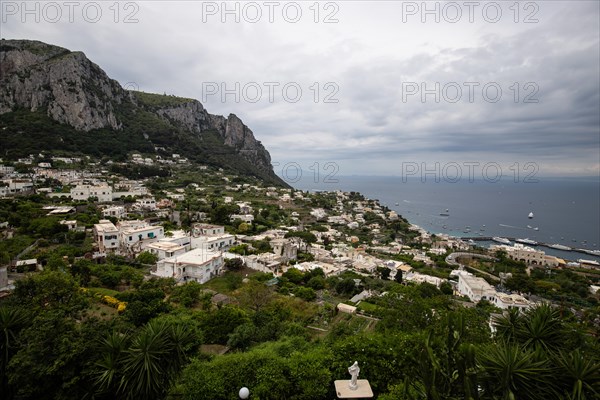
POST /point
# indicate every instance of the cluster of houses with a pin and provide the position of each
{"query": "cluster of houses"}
(199, 254)
(184, 256)
(137, 158)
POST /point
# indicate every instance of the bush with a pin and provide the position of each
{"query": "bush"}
(306, 293)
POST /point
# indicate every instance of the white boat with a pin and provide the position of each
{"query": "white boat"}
(529, 227)
(589, 262)
(527, 241)
(536, 229)
(593, 252)
(530, 216)
(560, 247)
(501, 240)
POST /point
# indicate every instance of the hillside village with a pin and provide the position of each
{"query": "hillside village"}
(247, 265)
(345, 233)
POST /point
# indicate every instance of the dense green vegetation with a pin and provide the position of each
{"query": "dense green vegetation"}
(159, 100)
(23, 132)
(56, 344)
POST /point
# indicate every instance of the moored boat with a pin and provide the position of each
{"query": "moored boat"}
(588, 262)
(501, 240)
(527, 241)
(560, 247)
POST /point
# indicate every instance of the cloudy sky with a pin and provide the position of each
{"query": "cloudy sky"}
(368, 85)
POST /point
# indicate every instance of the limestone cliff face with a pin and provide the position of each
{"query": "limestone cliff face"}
(73, 90)
(194, 117)
(190, 115)
(240, 137)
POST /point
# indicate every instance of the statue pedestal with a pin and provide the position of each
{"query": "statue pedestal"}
(363, 391)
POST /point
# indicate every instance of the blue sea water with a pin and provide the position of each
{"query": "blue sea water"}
(566, 210)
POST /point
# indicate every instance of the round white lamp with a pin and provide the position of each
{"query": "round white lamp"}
(244, 393)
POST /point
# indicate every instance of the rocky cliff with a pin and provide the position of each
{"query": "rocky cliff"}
(70, 89)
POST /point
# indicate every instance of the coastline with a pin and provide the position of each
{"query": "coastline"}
(569, 256)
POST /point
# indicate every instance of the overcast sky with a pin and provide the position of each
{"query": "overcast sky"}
(378, 67)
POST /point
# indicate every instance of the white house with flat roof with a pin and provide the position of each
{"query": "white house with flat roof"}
(133, 233)
(207, 229)
(248, 218)
(179, 237)
(475, 288)
(211, 237)
(146, 203)
(197, 265)
(166, 249)
(70, 224)
(506, 301)
(106, 235)
(102, 192)
(116, 211)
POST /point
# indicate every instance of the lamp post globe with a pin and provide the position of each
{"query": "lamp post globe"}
(244, 393)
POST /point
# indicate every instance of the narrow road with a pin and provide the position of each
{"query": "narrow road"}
(452, 260)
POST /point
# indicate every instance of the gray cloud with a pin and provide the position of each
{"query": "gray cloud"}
(369, 54)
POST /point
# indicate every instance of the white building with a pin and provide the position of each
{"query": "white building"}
(198, 265)
(248, 218)
(116, 211)
(166, 249)
(423, 278)
(207, 229)
(318, 213)
(475, 288)
(285, 248)
(14, 186)
(133, 233)
(506, 301)
(528, 255)
(5, 169)
(213, 242)
(106, 235)
(146, 203)
(71, 224)
(211, 237)
(83, 192)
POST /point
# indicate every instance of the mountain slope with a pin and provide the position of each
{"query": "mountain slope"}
(55, 99)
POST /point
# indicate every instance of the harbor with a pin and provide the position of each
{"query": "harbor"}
(549, 248)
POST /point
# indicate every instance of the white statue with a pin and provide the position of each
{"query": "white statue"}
(354, 370)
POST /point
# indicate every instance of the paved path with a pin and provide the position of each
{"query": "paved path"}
(451, 259)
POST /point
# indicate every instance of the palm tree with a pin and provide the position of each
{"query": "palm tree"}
(112, 348)
(12, 321)
(508, 371)
(508, 324)
(145, 365)
(578, 375)
(542, 329)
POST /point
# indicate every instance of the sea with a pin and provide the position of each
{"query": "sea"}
(565, 210)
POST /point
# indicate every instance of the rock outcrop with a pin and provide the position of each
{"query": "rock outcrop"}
(74, 91)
